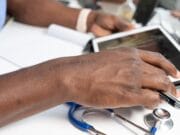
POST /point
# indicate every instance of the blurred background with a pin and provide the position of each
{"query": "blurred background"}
(139, 12)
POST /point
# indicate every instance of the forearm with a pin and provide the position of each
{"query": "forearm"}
(29, 91)
(43, 12)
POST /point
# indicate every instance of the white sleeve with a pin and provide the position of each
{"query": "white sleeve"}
(3, 4)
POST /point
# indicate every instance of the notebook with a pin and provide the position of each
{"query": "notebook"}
(25, 45)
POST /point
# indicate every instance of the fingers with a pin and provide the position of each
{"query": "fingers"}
(156, 82)
(99, 31)
(156, 79)
(107, 22)
(113, 23)
(145, 97)
(149, 98)
(178, 74)
(157, 59)
(178, 94)
(122, 25)
(176, 13)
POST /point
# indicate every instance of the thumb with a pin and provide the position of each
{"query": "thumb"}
(98, 31)
(123, 25)
(176, 13)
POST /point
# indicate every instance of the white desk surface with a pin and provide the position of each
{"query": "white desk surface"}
(25, 46)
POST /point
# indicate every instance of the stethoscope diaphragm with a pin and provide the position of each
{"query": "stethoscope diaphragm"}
(162, 116)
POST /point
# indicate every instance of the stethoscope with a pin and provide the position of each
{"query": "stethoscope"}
(159, 119)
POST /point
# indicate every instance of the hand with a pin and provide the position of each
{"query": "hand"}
(175, 13)
(119, 78)
(103, 24)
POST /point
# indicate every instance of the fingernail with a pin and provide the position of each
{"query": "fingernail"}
(178, 94)
(178, 74)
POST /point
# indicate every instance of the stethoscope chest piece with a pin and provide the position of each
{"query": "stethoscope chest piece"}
(162, 116)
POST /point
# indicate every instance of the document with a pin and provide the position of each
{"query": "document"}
(26, 45)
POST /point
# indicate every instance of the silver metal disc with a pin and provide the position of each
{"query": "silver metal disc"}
(150, 121)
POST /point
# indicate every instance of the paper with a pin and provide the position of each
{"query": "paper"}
(69, 35)
(6, 66)
(26, 45)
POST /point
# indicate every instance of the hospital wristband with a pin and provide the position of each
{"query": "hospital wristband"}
(82, 20)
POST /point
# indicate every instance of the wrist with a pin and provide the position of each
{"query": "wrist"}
(91, 19)
(51, 77)
(85, 20)
(62, 75)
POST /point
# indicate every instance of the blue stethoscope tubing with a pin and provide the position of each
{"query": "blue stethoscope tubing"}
(85, 127)
(80, 124)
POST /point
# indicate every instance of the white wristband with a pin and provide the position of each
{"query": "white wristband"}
(82, 20)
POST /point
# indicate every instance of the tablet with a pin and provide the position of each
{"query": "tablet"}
(152, 38)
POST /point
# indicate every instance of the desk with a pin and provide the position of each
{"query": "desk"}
(26, 45)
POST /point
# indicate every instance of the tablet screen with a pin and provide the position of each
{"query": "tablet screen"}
(152, 40)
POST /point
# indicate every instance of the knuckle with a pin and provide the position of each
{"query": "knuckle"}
(127, 49)
(166, 84)
(162, 59)
(132, 60)
(159, 55)
(132, 72)
(158, 71)
(133, 88)
(152, 99)
(162, 81)
(155, 99)
(162, 72)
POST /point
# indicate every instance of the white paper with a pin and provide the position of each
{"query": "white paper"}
(69, 35)
(26, 45)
